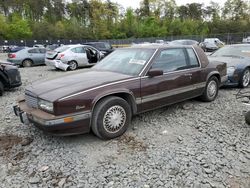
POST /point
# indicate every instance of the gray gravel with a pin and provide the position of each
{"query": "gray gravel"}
(190, 144)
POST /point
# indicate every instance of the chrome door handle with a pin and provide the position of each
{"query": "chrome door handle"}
(188, 74)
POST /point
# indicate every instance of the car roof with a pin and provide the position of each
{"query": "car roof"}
(94, 42)
(246, 45)
(158, 46)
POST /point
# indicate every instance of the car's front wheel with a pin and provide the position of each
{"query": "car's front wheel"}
(211, 90)
(111, 117)
(245, 78)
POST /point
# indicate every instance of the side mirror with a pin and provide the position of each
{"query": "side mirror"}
(155, 72)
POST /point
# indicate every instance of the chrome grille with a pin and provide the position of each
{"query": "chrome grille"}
(31, 101)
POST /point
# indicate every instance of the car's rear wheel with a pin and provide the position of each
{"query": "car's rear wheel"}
(27, 63)
(1, 88)
(73, 65)
(111, 117)
(211, 90)
(245, 78)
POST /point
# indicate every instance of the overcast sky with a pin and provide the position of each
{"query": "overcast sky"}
(135, 3)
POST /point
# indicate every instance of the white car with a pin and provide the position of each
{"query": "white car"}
(70, 57)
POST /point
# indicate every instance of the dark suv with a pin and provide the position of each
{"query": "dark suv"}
(9, 77)
(104, 47)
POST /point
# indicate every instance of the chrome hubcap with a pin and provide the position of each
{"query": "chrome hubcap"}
(114, 119)
(246, 78)
(212, 89)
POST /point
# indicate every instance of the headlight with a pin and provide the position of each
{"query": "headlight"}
(46, 105)
(230, 71)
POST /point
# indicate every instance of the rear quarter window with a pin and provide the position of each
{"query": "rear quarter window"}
(34, 51)
(192, 58)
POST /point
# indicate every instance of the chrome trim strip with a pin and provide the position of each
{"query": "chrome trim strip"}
(148, 62)
(98, 87)
(172, 92)
(76, 117)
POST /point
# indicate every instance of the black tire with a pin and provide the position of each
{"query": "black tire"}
(247, 117)
(27, 63)
(245, 78)
(1, 88)
(73, 65)
(104, 109)
(211, 91)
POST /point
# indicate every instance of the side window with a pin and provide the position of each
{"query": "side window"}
(78, 50)
(42, 50)
(171, 60)
(34, 51)
(192, 58)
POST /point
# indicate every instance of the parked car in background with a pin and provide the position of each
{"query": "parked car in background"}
(211, 44)
(103, 47)
(9, 77)
(246, 40)
(215, 41)
(73, 56)
(38, 46)
(52, 47)
(237, 58)
(184, 42)
(126, 82)
(208, 47)
(28, 57)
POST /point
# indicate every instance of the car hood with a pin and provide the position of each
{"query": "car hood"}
(231, 61)
(55, 89)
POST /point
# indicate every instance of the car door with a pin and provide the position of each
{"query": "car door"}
(176, 83)
(42, 52)
(34, 55)
(80, 55)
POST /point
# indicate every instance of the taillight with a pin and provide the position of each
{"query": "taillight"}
(12, 55)
(60, 56)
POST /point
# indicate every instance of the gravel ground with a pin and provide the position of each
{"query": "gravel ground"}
(190, 144)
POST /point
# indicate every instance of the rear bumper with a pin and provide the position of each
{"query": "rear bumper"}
(15, 61)
(70, 124)
(56, 64)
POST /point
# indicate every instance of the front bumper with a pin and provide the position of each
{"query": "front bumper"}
(70, 124)
(224, 80)
(56, 64)
(233, 80)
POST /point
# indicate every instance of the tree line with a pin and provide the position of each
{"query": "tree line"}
(96, 19)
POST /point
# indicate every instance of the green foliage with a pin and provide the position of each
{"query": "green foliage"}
(99, 19)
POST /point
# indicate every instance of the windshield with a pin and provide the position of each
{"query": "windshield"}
(128, 61)
(233, 51)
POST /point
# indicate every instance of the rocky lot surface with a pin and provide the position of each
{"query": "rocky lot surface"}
(190, 144)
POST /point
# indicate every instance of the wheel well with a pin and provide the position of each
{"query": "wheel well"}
(217, 76)
(126, 96)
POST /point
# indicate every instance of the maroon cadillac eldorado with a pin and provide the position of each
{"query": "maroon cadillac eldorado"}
(127, 82)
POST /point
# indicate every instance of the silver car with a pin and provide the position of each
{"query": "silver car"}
(70, 57)
(28, 57)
